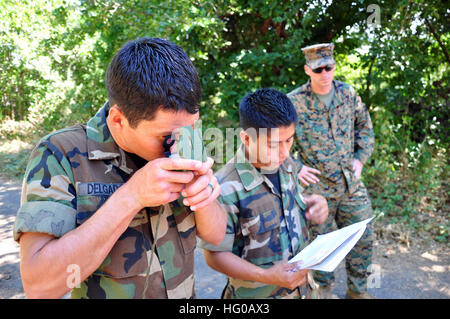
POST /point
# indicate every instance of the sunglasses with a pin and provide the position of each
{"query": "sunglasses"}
(327, 68)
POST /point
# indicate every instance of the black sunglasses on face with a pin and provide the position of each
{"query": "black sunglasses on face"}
(327, 68)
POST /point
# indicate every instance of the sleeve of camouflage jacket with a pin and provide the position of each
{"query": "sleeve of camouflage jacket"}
(364, 137)
(48, 203)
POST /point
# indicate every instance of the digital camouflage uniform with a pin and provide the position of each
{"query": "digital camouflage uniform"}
(264, 227)
(71, 173)
(329, 140)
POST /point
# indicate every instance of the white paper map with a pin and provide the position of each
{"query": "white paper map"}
(327, 251)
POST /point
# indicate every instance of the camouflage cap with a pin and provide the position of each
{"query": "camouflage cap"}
(319, 54)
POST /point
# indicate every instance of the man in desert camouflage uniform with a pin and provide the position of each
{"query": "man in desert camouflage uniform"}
(335, 139)
(96, 196)
(266, 211)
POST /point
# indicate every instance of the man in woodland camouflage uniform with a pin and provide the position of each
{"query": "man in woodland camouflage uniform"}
(267, 222)
(335, 139)
(96, 196)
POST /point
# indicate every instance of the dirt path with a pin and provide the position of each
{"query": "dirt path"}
(10, 283)
(421, 270)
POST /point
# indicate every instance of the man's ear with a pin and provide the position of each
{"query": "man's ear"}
(307, 70)
(116, 118)
(245, 138)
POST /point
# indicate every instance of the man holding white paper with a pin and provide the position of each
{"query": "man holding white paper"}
(267, 215)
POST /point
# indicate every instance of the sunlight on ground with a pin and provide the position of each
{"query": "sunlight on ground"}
(9, 188)
(429, 256)
(10, 251)
(435, 268)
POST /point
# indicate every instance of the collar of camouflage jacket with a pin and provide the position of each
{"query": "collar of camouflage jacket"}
(100, 143)
(249, 175)
(338, 97)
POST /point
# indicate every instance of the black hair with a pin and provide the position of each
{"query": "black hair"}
(266, 108)
(148, 74)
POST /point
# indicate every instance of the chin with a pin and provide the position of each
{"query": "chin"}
(150, 157)
(272, 167)
(155, 156)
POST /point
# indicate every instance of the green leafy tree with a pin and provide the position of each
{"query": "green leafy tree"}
(54, 55)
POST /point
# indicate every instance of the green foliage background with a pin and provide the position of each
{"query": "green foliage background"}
(54, 54)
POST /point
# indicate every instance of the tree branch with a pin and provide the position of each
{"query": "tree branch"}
(436, 36)
(368, 79)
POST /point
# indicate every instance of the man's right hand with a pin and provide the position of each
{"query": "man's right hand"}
(307, 175)
(286, 275)
(162, 180)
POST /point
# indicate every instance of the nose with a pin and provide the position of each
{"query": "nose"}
(284, 151)
(325, 77)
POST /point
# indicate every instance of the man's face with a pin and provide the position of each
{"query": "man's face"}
(146, 140)
(269, 151)
(322, 79)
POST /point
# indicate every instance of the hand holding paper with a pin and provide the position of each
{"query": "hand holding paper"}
(327, 251)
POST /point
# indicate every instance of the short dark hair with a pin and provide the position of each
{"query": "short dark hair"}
(148, 74)
(266, 108)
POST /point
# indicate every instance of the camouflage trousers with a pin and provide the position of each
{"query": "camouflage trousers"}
(343, 211)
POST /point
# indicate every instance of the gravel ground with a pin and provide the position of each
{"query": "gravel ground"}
(417, 271)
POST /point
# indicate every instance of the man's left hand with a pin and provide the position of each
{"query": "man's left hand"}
(203, 189)
(357, 168)
(316, 208)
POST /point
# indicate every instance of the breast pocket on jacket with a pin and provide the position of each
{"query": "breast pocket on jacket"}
(128, 257)
(261, 236)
